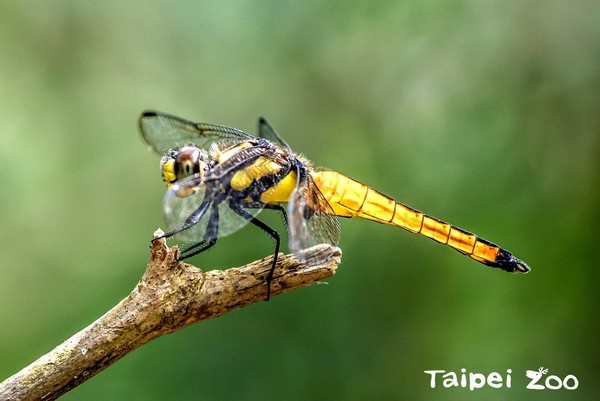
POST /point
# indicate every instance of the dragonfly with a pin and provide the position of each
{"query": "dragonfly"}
(220, 178)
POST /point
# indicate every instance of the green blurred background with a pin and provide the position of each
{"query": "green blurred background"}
(483, 114)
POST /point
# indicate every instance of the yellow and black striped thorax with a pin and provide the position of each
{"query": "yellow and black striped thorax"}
(254, 171)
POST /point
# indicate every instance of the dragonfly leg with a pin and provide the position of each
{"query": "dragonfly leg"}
(274, 234)
(197, 248)
(210, 236)
(192, 220)
(279, 208)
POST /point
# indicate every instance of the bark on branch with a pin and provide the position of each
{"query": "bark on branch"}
(165, 300)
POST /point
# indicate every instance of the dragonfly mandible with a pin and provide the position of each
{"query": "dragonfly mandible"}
(219, 178)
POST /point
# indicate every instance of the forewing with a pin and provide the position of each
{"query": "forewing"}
(188, 197)
(163, 132)
(177, 208)
(311, 220)
(266, 130)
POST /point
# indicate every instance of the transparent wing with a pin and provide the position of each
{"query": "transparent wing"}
(177, 207)
(187, 200)
(310, 218)
(266, 130)
(163, 132)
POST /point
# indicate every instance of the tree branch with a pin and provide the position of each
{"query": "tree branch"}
(165, 300)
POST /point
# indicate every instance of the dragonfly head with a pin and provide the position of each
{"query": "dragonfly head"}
(180, 163)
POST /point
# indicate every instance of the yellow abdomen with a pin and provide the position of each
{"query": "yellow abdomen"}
(350, 198)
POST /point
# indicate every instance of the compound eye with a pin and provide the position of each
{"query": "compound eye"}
(187, 162)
